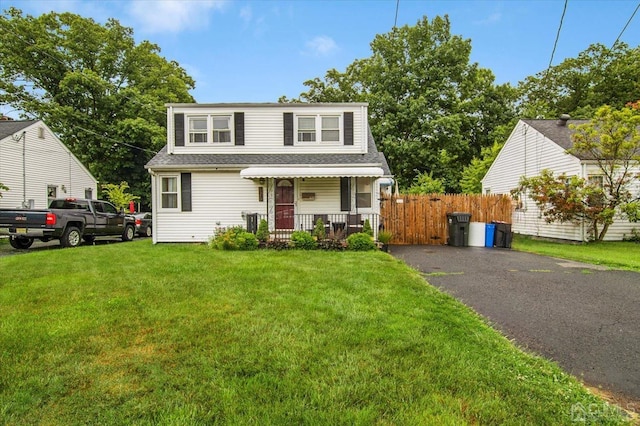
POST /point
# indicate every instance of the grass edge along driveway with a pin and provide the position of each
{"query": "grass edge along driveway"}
(182, 334)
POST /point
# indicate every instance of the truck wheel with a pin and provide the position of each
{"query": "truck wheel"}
(129, 233)
(20, 243)
(71, 237)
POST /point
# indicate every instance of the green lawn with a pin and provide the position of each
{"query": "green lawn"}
(616, 254)
(181, 334)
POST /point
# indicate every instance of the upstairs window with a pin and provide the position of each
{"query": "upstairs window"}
(198, 129)
(319, 128)
(306, 129)
(221, 128)
(330, 129)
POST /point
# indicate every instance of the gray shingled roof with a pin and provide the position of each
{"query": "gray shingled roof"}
(373, 157)
(11, 127)
(557, 131)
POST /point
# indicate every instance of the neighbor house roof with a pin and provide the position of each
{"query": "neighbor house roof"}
(558, 131)
(164, 160)
(11, 127)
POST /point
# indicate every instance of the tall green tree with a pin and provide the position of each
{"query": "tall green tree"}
(579, 86)
(98, 89)
(430, 109)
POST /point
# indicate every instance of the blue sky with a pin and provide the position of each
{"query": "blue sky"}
(257, 51)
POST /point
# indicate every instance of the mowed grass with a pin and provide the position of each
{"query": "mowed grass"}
(615, 254)
(181, 334)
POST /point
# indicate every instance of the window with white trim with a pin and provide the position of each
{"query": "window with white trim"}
(363, 192)
(169, 192)
(318, 128)
(198, 129)
(330, 129)
(221, 128)
(306, 129)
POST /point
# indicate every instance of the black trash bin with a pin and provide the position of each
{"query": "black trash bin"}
(458, 229)
(503, 235)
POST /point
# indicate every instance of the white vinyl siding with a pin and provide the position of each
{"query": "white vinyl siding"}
(218, 200)
(263, 130)
(526, 153)
(47, 163)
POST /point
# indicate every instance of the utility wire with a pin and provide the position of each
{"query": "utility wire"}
(395, 22)
(555, 44)
(625, 27)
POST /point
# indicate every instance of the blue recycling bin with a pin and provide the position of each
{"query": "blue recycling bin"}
(489, 234)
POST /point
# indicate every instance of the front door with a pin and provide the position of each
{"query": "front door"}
(284, 204)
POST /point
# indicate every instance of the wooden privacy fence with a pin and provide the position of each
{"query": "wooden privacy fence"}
(422, 219)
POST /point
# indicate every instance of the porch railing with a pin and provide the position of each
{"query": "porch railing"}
(337, 225)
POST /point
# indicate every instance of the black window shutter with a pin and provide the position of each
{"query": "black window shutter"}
(288, 128)
(185, 191)
(348, 128)
(238, 124)
(345, 194)
(178, 126)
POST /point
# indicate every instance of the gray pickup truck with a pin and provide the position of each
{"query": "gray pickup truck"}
(69, 220)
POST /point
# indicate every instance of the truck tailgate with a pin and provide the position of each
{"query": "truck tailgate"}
(23, 218)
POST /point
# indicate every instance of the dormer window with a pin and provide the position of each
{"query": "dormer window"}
(330, 129)
(221, 128)
(198, 129)
(318, 128)
(306, 129)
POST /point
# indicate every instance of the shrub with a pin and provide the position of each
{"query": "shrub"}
(332, 244)
(303, 240)
(263, 231)
(366, 228)
(360, 242)
(318, 230)
(384, 237)
(277, 244)
(235, 238)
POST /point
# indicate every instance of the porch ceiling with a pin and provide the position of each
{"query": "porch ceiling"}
(310, 172)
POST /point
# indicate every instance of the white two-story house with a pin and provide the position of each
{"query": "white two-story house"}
(233, 164)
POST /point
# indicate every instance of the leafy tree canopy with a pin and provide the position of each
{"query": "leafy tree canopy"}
(424, 183)
(579, 86)
(102, 93)
(119, 194)
(430, 109)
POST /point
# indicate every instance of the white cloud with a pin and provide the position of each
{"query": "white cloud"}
(246, 13)
(172, 15)
(321, 46)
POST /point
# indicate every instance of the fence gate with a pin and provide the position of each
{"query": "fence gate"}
(422, 219)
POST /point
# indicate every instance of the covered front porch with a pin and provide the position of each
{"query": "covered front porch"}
(344, 198)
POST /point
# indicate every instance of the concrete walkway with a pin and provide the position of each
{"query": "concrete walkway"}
(584, 317)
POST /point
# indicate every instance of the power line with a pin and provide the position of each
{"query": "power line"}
(555, 44)
(395, 22)
(626, 25)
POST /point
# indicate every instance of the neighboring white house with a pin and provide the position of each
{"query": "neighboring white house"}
(37, 167)
(535, 145)
(289, 163)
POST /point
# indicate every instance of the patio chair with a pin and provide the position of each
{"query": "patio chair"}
(354, 223)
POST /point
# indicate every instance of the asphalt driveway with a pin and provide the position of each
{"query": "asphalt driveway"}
(584, 317)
